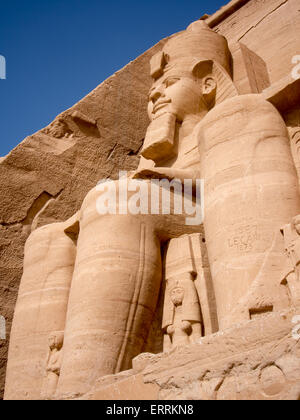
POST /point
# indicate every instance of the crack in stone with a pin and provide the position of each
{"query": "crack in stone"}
(267, 15)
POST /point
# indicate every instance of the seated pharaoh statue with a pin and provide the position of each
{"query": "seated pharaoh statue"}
(97, 277)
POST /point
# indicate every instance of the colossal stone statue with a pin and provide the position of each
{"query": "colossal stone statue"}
(98, 277)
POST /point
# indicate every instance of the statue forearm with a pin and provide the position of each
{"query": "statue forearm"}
(167, 173)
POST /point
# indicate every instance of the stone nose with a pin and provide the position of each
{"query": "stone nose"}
(156, 94)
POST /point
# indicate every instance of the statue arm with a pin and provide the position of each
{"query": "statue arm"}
(167, 342)
(167, 173)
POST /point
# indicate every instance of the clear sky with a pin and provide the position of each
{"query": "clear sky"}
(57, 51)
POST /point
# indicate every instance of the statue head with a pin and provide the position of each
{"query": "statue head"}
(56, 340)
(184, 73)
(177, 295)
(191, 75)
(181, 94)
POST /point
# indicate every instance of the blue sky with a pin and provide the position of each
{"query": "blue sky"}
(57, 51)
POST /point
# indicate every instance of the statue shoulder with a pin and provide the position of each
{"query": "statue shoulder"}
(239, 116)
(231, 108)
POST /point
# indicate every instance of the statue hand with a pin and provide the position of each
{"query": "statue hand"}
(186, 326)
(145, 173)
(170, 330)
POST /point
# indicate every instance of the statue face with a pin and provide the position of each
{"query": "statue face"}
(179, 95)
(56, 340)
(177, 295)
(51, 342)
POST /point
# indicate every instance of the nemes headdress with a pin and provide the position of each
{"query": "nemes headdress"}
(195, 50)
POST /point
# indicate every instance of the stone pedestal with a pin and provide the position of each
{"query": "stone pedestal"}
(255, 360)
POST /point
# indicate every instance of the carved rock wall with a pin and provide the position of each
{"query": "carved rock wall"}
(269, 28)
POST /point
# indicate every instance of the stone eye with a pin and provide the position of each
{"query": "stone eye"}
(171, 81)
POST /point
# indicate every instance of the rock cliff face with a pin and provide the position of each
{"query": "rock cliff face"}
(46, 177)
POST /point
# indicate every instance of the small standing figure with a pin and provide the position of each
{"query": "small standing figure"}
(182, 321)
(54, 362)
(291, 235)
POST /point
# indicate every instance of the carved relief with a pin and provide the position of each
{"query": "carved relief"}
(189, 304)
(291, 235)
(53, 364)
(272, 381)
(182, 317)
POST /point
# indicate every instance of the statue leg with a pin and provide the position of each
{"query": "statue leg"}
(114, 292)
(251, 191)
(40, 309)
(113, 297)
(50, 385)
